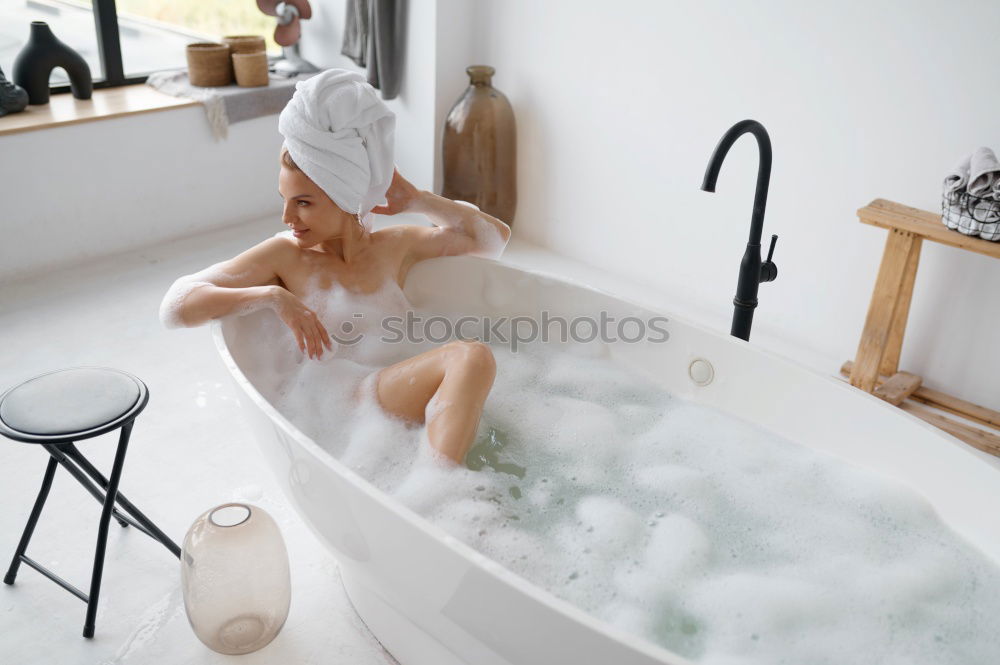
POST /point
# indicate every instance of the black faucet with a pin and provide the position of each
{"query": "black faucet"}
(752, 270)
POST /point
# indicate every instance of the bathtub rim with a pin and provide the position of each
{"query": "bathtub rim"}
(488, 565)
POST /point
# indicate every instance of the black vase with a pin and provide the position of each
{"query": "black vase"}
(43, 53)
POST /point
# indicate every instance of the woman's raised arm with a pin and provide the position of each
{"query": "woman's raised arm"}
(459, 227)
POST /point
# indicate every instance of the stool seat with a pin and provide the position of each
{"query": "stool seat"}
(74, 403)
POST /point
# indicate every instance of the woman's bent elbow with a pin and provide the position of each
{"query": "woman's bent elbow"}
(172, 306)
(491, 241)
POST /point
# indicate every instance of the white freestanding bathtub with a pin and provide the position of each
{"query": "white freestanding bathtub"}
(433, 600)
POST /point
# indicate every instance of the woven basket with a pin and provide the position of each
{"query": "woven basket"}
(251, 69)
(244, 43)
(209, 64)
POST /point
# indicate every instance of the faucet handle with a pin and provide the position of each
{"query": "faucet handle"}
(768, 270)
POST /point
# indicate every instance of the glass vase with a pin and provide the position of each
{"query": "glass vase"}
(235, 578)
(480, 148)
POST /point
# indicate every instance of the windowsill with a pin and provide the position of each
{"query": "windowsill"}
(64, 109)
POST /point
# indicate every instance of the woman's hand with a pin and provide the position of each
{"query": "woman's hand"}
(303, 322)
(399, 196)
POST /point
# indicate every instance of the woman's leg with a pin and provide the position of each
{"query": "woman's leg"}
(446, 388)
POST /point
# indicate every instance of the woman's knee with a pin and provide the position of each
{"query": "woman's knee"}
(475, 355)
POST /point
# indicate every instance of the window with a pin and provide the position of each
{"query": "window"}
(124, 41)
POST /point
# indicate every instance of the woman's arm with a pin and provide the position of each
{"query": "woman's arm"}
(221, 288)
(193, 302)
(460, 228)
(241, 285)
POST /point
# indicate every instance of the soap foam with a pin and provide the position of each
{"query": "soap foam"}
(695, 530)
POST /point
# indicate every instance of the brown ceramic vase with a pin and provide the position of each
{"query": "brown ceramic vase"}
(480, 148)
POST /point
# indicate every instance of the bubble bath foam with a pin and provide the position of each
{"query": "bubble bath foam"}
(698, 531)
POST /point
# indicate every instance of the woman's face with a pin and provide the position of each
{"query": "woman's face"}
(312, 216)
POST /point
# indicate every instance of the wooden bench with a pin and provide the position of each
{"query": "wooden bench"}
(876, 366)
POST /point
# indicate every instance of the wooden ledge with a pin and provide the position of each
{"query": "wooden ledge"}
(64, 109)
(891, 215)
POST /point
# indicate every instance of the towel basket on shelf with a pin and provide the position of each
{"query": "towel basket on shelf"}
(971, 215)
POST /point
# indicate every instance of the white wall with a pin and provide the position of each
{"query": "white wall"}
(619, 106)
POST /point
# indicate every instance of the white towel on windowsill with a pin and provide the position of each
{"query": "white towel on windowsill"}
(229, 104)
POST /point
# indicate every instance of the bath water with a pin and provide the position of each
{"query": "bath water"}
(698, 531)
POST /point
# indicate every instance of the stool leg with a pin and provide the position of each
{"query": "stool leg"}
(102, 530)
(36, 511)
(60, 452)
(73, 453)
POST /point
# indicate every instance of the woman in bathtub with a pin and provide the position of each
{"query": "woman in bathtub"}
(335, 166)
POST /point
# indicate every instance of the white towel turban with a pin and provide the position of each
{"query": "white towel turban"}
(341, 135)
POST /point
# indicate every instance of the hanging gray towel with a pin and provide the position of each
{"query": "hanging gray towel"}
(372, 55)
(355, 44)
(385, 22)
(373, 34)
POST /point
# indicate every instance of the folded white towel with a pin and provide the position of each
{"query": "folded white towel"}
(958, 179)
(954, 190)
(984, 171)
(341, 135)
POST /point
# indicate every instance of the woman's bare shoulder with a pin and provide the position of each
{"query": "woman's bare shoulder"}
(277, 248)
(281, 241)
(261, 263)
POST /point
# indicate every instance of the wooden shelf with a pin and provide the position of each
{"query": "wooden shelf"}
(64, 109)
(891, 215)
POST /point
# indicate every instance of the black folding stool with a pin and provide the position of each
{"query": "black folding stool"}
(57, 409)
